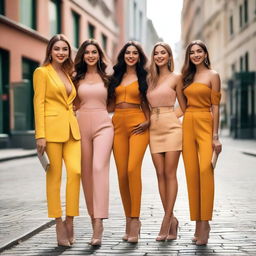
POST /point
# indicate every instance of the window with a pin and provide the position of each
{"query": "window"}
(28, 13)
(245, 11)
(246, 61)
(76, 29)
(4, 92)
(54, 15)
(231, 28)
(104, 41)
(140, 24)
(241, 16)
(2, 7)
(91, 31)
(135, 20)
(241, 64)
(233, 68)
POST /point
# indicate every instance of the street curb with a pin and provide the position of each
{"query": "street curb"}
(8, 158)
(249, 153)
(26, 236)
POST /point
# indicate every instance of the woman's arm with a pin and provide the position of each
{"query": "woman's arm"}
(215, 83)
(111, 106)
(143, 126)
(180, 95)
(39, 84)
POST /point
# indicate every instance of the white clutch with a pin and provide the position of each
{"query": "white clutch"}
(44, 160)
(214, 159)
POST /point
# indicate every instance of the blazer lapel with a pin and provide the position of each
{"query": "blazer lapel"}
(58, 83)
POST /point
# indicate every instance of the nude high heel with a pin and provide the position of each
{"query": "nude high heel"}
(134, 233)
(61, 232)
(97, 232)
(127, 229)
(70, 229)
(173, 232)
(163, 236)
(203, 236)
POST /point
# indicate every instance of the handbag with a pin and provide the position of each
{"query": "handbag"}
(44, 160)
(214, 159)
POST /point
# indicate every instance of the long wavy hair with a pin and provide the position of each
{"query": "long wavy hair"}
(81, 66)
(68, 64)
(120, 69)
(189, 69)
(154, 69)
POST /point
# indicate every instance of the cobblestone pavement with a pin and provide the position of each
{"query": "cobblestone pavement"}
(233, 229)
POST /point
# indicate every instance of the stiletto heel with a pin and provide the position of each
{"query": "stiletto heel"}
(163, 237)
(173, 232)
(97, 232)
(134, 234)
(203, 239)
(127, 229)
(61, 233)
(70, 230)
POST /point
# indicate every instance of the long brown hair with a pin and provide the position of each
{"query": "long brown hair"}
(189, 69)
(68, 64)
(81, 66)
(154, 69)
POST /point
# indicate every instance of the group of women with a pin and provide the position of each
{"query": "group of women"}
(71, 104)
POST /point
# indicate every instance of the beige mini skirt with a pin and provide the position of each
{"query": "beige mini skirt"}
(165, 130)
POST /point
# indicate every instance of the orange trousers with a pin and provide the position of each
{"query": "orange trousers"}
(129, 150)
(197, 155)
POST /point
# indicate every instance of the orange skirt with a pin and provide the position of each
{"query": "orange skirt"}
(165, 130)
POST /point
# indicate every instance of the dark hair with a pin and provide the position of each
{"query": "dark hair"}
(68, 64)
(120, 69)
(189, 69)
(81, 66)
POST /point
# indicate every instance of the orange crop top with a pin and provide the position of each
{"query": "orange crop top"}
(201, 96)
(129, 93)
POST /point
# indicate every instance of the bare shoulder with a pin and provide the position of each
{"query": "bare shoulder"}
(215, 79)
(176, 77)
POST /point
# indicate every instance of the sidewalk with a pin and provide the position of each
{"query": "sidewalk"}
(23, 211)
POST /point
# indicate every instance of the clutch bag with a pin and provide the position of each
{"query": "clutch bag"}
(214, 159)
(44, 160)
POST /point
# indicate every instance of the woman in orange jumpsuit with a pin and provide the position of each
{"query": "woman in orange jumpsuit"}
(127, 91)
(199, 99)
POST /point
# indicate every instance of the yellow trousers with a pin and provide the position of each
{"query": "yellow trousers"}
(70, 152)
(129, 150)
(197, 154)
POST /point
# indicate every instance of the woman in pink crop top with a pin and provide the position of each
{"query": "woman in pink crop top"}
(127, 92)
(165, 133)
(96, 132)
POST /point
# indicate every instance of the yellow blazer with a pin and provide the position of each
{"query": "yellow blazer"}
(54, 115)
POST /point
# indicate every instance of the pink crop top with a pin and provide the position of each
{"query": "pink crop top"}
(161, 96)
(92, 95)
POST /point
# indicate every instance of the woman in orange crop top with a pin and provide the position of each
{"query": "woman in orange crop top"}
(199, 99)
(127, 91)
(165, 133)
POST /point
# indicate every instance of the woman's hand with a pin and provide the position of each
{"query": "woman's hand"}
(140, 128)
(217, 147)
(41, 145)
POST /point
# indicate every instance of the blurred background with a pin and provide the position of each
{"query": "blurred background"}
(228, 27)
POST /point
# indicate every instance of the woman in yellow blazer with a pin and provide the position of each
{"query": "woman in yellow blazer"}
(57, 133)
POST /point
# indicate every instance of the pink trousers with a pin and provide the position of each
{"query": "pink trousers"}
(96, 139)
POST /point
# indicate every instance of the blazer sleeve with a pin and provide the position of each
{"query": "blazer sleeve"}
(39, 84)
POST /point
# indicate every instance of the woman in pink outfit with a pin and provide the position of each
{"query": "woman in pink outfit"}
(96, 131)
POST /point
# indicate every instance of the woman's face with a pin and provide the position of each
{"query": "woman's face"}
(60, 52)
(91, 55)
(131, 55)
(161, 56)
(197, 54)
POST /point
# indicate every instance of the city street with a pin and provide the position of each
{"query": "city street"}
(233, 229)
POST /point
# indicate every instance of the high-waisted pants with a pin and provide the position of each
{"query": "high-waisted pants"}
(97, 140)
(129, 150)
(197, 155)
(70, 152)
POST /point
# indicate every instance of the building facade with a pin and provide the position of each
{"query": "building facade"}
(25, 28)
(228, 27)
